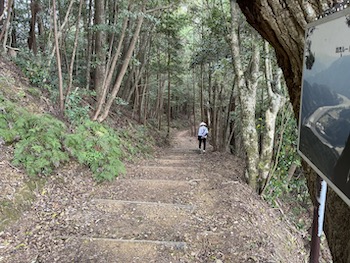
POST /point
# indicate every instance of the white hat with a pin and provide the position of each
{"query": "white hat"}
(203, 124)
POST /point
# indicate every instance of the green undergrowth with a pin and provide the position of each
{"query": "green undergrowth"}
(98, 147)
(42, 143)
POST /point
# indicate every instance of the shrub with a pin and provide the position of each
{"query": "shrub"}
(74, 110)
(97, 146)
(33, 67)
(39, 148)
(42, 143)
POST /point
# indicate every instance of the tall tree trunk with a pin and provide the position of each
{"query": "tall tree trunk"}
(13, 38)
(201, 92)
(100, 48)
(61, 29)
(230, 128)
(70, 75)
(108, 80)
(6, 25)
(41, 33)
(214, 130)
(276, 101)
(32, 43)
(194, 126)
(144, 99)
(160, 100)
(124, 67)
(247, 97)
(169, 95)
(58, 59)
(2, 9)
(142, 58)
(89, 46)
(285, 32)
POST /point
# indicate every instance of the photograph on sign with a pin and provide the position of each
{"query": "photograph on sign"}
(324, 123)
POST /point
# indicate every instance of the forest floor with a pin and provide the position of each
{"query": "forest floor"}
(180, 206)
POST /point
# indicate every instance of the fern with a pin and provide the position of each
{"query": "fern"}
(42, 143)
(98, 147)
(40, 149)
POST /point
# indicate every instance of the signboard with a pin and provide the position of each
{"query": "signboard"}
(324, 123)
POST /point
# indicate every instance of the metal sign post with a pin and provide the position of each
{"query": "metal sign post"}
(318, 218)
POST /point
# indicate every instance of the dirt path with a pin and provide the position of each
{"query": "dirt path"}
(181, 206)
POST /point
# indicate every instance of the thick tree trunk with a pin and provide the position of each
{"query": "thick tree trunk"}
(247, 97)
(276, 101)
(41, 32)
(285, 32)
(34, 8)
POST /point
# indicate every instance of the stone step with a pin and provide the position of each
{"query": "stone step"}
(119, 219)
(118, 203)
(192, 156)
(175, 162)
(181, 151)
(164, 191)
(130, 251)
(163, 172)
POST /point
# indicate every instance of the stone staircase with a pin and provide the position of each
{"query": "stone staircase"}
(148, 215)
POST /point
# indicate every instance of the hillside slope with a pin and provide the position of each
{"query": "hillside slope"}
(180, 206)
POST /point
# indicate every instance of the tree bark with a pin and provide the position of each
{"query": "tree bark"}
(58, 59)
(124, 67)
(275, 102)
(213, 124)
(201, 91)
(70, 82)
(247, 96)
(6, 25)
(34, 8)
(100, 48)
(60, 30)
(143, 60)
(194, 126)
(108, 80)
(2, 9)
(169, 94)
(282, 23)
(88, 45)
(41, 32)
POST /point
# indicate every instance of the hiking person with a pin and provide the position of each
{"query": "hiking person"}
(202, 135)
